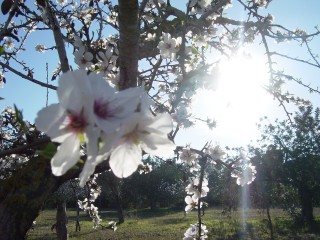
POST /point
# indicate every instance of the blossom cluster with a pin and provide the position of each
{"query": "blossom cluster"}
(87, 204)
(244, 171)
(169, 46)
(202, 6)
(111, 125)
(192, 232)
(2, 80)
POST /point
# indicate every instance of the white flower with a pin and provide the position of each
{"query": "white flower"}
(193, 188)
(85, 14)
(216, 153)
(83, 59)
(107, 61)
(74, 4)
(69, 122)
(62, 2)
(192, 202)
(261, 3)
(169, 46)
(111, 124)
(151, 37)
(9, 44)
(142, 131)
(182, 117)
(246, 176)
(145, 168)
(2, 80)
(200, 40)
(40, 48)
(113, 18)
(192, 232)
(110, 108)
(188, 156)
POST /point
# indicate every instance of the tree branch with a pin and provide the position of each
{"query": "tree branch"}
(42, 84)
(58, 37)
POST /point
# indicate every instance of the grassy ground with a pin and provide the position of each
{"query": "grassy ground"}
(165, 224)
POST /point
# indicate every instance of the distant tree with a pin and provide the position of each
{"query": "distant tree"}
(68, 192)
(163, 185)
(295, 161)
(266, 189)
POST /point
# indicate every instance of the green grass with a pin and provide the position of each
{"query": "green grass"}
(166, 224)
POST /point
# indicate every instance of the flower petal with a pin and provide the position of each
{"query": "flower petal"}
(50, 120)
(125, 159)
(67, 155)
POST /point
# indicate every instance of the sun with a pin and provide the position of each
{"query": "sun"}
(240, 98)
(241, 81)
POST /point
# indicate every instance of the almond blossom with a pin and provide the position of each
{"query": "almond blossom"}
(142, 131)
(188, 156)
(193, 187)
(111, 124)
(69, 122)
(245, 175)
(192, 202)
(40, 48)
(169, 46)
(83, 59)
(193, 232)
(216, 153)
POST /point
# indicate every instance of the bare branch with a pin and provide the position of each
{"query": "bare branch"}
(42, 84)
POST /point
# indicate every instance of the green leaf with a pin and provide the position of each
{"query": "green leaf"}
(2, 49)
(49, 151)
(195, 50)
(19, 118)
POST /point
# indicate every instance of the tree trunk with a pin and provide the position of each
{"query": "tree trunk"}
(270, 222)
(306, 206)
(113, 183)
(119, 209)
(153, 204)
(128, 43)
(78, 227)
(23, 195)
(62, 221)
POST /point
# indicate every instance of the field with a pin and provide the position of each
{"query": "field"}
(168, 224)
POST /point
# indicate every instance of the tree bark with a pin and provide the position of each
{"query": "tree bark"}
(113, 183)
(119, 209)
(62, 221)
(270, 225)
(22, 196)
(128, 43)
(306, 199)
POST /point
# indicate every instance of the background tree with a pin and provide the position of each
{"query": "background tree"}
(163, 186)
(298, 146)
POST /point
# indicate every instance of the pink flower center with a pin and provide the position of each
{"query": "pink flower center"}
(102, 109)
(168, 45)
(77, 122)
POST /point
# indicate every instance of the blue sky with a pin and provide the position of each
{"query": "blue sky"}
(291, 13)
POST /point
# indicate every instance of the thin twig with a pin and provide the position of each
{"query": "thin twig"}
(42, 84)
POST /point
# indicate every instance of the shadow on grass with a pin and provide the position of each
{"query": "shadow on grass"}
(141, 213)
(284, 229)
